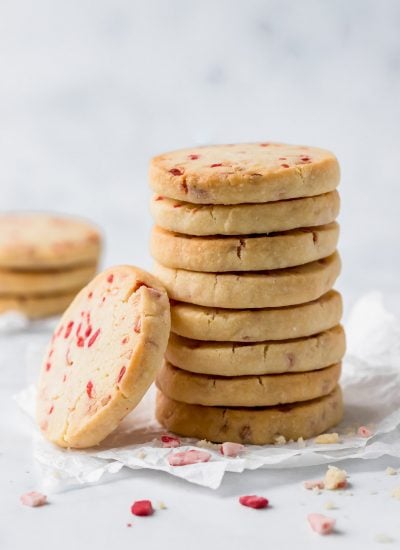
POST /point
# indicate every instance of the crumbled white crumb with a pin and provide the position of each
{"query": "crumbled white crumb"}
(204, 444)
(329, 505)
(161, 505)
(335, 478)
(396, 493)
(327, 438)
(391, 471)
(316, 490)
(301, 443)
(381, 537)
(141, 454)
(279, 440)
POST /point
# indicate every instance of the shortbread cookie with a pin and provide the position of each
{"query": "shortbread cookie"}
(246, 391)
(256, 325)
(244, 173)
(36, 307)
(34, 283)
(244, 219)
(102, 357)
(258, 426)
(43, 241)
(245, 253)
(257, 289)
(238, 359)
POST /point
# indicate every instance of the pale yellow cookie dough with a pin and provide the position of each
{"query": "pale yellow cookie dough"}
(273, 357)
(245, 253)
(246, 391)
(258, 426)
(244, 173)
(256, 325)
(36, 307)
(244, 219)
(102, 357)
(45, 241)
(259, 289)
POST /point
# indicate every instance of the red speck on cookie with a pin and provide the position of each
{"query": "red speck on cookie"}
(176, 172)
(124, 340)
(282, 158)
(285, 165)
(89, 389)
(177, 205)
(193, 157)
(59, 331)
(110, 278)
(265, 144)
(321, 524)
(142, 508)
(51, 409)
(90, 295)
(138, 325)
(170, 441)
(93, 338)
(231, 449)
(64, 377)
(88, 331)
(363, 431)
(48, 367)
(188, 457)
(158, 198)
(79, 327)
(68, 329)
(33, 499)
(305, 159)
(253, 501)
(121, 374)
(216, 165)
(81, 342)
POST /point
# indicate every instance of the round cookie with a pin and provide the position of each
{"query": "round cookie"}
(28, 283)
(44, 241)
(102, 357)
(37, 307)
(244, 173)
(256, 325)
(244, 219)
(258, 289)
(246, 391)
(245, 253)
(259, 426)
(238, 359)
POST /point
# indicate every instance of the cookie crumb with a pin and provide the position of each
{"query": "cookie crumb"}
(301, 443)
(161, 505)
(324, 439)
(316, 490)
(396, 493)
(279, 440)
(329, 505)
(204, 444)
(381, 537)
(391, 471)
(141, 454)
(335, 478)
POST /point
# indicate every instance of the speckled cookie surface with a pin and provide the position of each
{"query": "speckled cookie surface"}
(36, 307)
(256, 325)
(257, 289)
(35, 283)
(42, 241)
(244, 219)
(246, 391)
(257, 426)
(244, 173)
(273, 357)
(245, 253)
(102, 357)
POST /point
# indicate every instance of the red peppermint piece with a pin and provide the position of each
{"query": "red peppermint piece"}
(231, 449)
(68, 329)
(33, 499)
(216, 165)
(110, 278)
(193, 157)
(51, 409)
(124, 340)
(321, 524)
(285, 165)
(253, 501)
(142, 508)
(188, 457)
(89, 389)
(81, 342)
(121, 374)
(170, 441)
(363, 431)
(176, 172)
(93, 338)
(88, 331)
(48, 367)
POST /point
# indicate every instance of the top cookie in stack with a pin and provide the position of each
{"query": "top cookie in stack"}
(44, 261)
(245, 244)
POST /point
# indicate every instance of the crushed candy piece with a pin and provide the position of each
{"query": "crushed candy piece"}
(33, 499)
(335, 478)
(129, 524)
(363, 431)
(184, 458)
(328, 439)
(391, 471)
(312, 483)
(321, 524)
(254, 501)
(170, 441)
(142, 508)
(231, 449)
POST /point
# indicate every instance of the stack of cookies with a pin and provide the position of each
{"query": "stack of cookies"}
(245, 244)
(44, 261)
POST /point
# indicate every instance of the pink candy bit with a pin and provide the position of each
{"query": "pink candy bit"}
(253, 501)
(142, 508)
(170, 441)
(121, 374)
(193, 157)
(363, 431)
(89, 389)
(175, 172)
(216, 165)
(188, 457)
(231, 449)
(33, 499)
(88, 331)
(314, 484)
(81, 342)
(48, 367)
(110, 278)
(68, 329)
(138, 326)
(92, 339)
(321, 524)
(285, 165)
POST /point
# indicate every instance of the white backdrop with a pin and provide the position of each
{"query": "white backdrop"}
(89, 91)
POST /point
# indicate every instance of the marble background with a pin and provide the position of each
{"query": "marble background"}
(89, 91)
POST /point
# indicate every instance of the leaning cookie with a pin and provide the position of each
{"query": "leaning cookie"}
(102, 357)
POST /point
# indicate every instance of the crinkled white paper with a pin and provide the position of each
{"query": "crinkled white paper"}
(371, 382)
